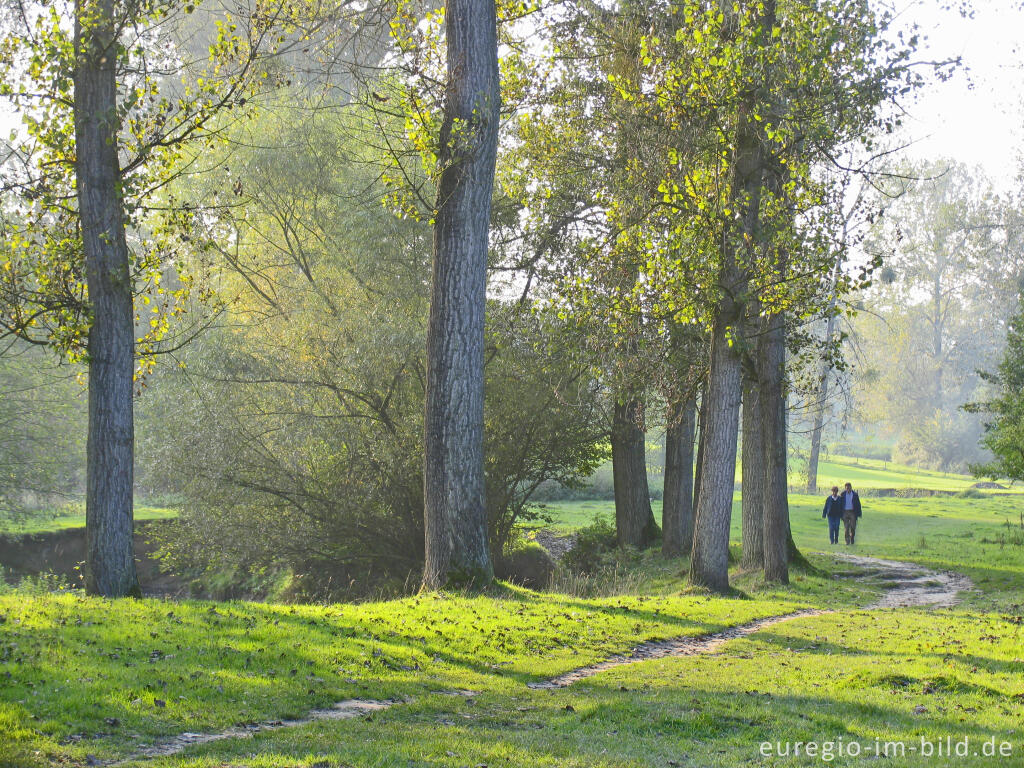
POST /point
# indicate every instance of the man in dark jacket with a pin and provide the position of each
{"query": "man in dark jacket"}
(834, 512)
(851, 511)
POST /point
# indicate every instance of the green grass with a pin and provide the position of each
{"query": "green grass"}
(874, 473)
(69, 516)
(824, 679)
(81, 677)
(73, 662)
(971, 535)
(837, 470)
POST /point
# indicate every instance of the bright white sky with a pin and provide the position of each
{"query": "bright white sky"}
(977, 117)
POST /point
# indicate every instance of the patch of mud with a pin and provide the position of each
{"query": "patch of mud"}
(909, 585)
(343, 710)
(680, 646)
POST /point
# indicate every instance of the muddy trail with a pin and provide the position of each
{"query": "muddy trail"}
(906, 585)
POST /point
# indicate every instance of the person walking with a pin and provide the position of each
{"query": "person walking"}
(834, 512)
(851, 512)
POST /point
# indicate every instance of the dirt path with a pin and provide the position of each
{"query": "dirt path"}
(343, 710)
(679, 646)
(908, 585)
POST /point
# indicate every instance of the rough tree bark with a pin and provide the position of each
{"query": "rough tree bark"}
(773, 435)
(677, 500)
(709, 565)
(455, 518)
(110, 556)
(634, 519)
(753, 466)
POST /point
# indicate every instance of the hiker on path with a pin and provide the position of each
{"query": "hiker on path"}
(834, 512)
(851, 511)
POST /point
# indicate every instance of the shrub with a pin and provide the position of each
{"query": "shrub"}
(528, 564)
(593, 543)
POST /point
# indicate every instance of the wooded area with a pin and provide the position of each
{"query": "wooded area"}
(378, 278)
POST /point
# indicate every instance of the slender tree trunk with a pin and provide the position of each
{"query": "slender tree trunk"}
(753, 469)
(677, 499)
(702, 415)
(634, 519)
(826, 373)
(816, 429)
(773, 435)
(110, 556)
(455, 515)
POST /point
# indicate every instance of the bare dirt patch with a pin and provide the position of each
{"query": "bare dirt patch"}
(343, 710)
(910, 585)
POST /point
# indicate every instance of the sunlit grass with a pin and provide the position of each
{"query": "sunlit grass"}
(70, 516)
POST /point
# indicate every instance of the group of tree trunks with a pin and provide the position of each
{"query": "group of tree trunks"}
(696, 514)
(747, 365)
(766, 539)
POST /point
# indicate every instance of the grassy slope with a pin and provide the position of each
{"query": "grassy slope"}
(863, 473)
(73, 662)
(873, 473)
(45, 521)
(853, 675)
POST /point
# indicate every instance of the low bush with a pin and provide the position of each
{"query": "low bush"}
(593, 544)
(528, 564)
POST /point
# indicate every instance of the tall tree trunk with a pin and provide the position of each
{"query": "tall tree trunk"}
(110, 556)
(772, 376)
(709, 564)
(677, 499)
(455, 518)
(634, 519)
(752, 466)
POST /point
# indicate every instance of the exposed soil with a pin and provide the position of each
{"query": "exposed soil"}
(909, 585)
(63, 553)
(555, 543)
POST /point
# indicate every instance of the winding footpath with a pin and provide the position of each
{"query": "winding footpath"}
(907, 585)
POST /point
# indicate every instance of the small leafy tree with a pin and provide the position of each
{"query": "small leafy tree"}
(94, 249)
(1004, 432)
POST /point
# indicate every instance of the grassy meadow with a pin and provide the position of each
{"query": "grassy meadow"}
(84, 681)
